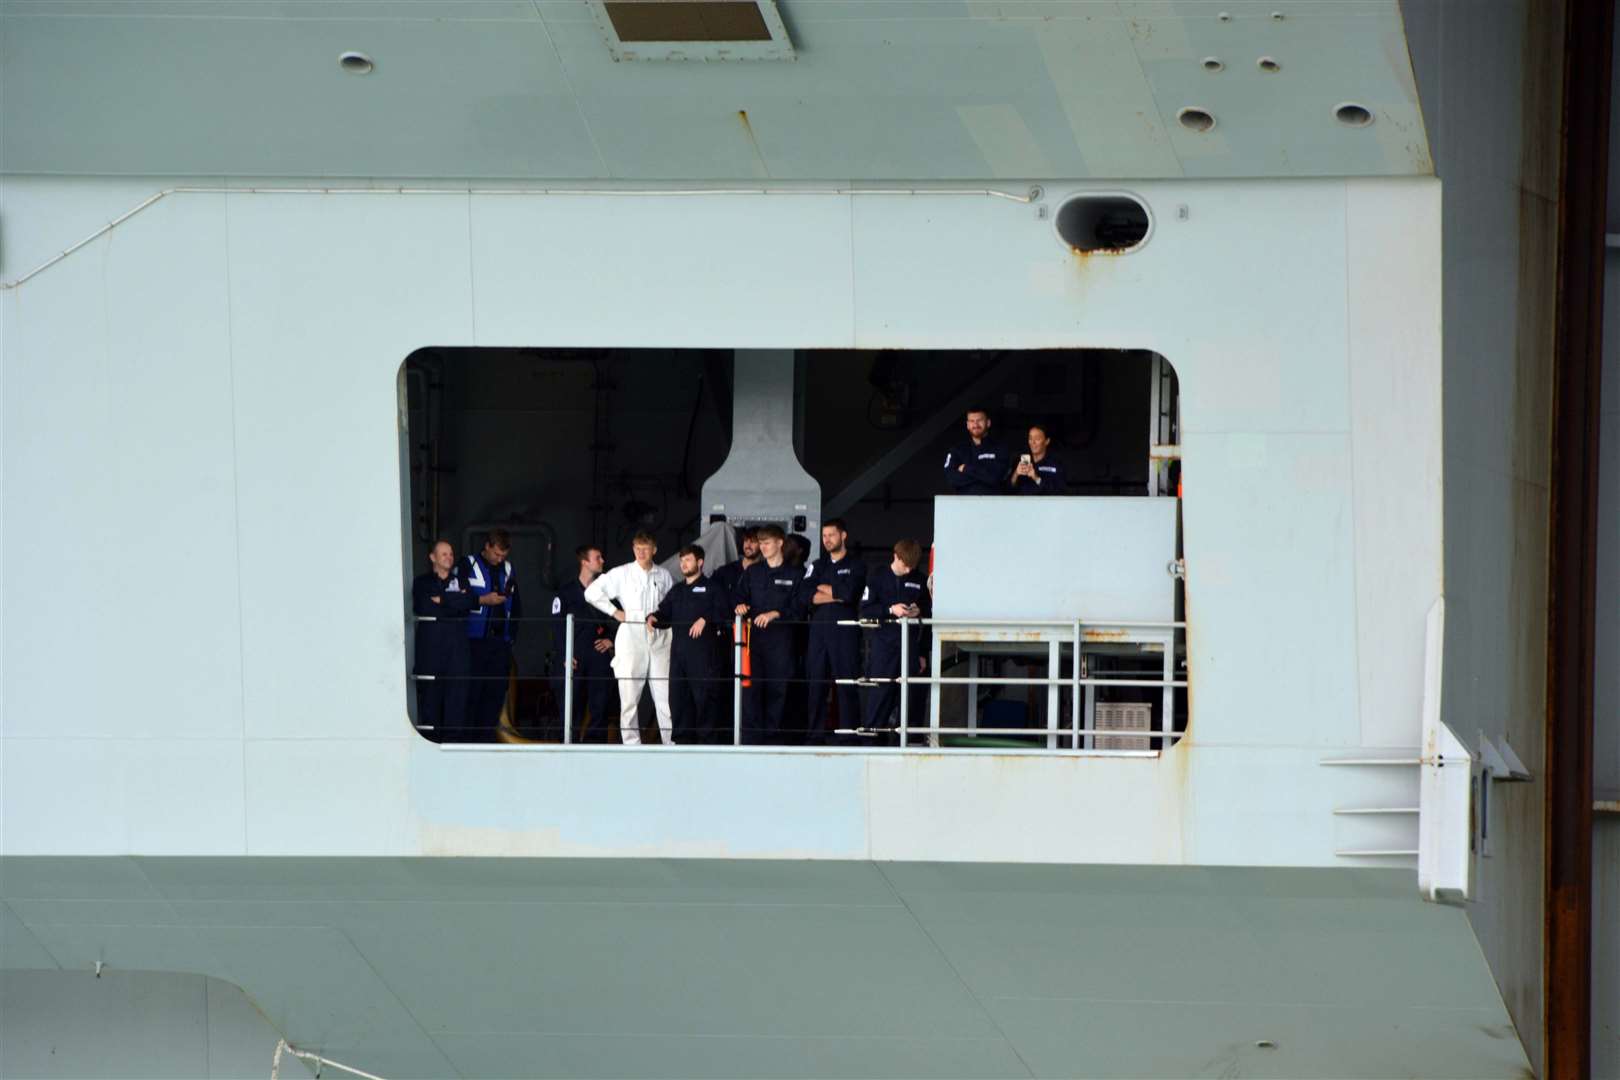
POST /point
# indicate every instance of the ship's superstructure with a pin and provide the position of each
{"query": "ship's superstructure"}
(1207, 769)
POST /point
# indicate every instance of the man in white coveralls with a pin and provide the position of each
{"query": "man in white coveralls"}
(638, 650)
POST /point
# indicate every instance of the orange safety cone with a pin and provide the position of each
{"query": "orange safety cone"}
(747, 655)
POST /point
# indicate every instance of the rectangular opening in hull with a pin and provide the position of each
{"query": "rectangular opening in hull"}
(530, 472)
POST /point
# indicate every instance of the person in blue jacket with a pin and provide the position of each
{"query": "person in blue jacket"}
(440, 605)
(898, 591)
(835, 585)
(594, 681)
(699, 613)
(769, 594)
(491, 629)
(979, 464)
(1039, 472)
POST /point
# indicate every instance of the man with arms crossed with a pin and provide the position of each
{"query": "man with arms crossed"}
(640, 652)
(835, 584)
(441, 645)
(978, 465)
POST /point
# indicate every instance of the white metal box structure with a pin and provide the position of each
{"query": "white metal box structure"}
(1101, 560)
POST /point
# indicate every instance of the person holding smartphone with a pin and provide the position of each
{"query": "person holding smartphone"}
(1038, 472)
(899, 591)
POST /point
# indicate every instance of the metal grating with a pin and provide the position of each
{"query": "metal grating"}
(1123, 716)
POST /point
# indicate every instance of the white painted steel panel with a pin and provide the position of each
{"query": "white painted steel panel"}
(697, 271)
(484, 802)
(327, 796)
(1057, 810)
(1070, 557)
(150, 795)
(1270, 634)
(879, 89)
(1251, 357)
(328, 295)
(329, 292)
(1396, 431)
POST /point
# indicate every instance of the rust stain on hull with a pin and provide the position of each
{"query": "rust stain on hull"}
(753, 143)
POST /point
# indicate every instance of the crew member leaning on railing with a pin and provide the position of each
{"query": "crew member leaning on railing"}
(769, 594)
(899, 591)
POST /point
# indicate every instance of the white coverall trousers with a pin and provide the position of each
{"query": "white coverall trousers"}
(638, 653)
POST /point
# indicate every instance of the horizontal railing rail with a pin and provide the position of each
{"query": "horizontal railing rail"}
(1150, 636)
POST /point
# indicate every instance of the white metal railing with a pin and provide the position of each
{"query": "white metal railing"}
(1152, 635)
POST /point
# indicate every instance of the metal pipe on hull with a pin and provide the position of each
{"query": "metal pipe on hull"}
(1572, 571)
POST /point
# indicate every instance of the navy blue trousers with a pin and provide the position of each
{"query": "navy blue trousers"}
(835, 653)
(771, 658)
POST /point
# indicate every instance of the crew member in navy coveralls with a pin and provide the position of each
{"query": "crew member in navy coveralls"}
(729, 575)
(834, 589)
(769, 595)
(594, 681)
(1038, 472)
(491, 629)
(795, 712)
(979, 464)
(441, 644)
(898, 591)
(698, 612)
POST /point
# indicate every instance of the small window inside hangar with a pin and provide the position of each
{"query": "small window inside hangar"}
(563, 448)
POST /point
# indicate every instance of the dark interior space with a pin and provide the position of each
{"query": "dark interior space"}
(594, 445)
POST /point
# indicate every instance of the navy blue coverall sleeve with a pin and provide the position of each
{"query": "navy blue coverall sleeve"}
(666, 611)
(422, 593)
(456, 603)
(1054, 481)
(847, 588)
(877, 599)
(993, 471)
(954, 476)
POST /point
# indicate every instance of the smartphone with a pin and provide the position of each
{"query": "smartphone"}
(1023, 459)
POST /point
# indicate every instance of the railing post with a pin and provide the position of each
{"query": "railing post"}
(736, 679)
(1168, 705)
(568, 679)
(1075, 707)
(1054, 689)
(905, 678)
